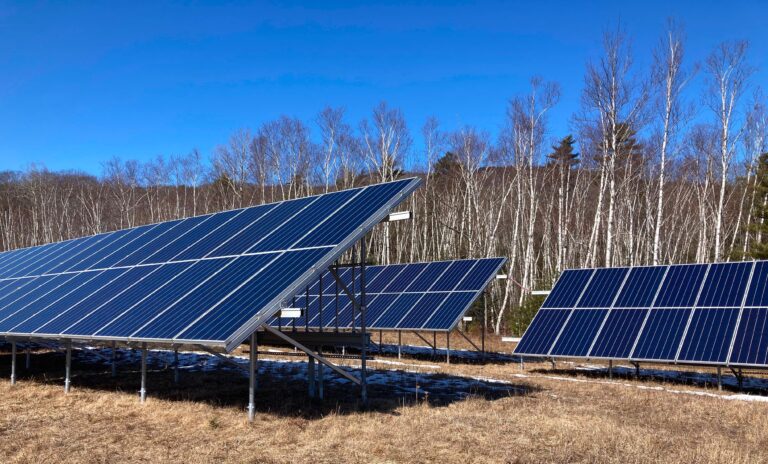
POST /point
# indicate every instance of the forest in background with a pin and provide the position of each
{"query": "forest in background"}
(652, 173)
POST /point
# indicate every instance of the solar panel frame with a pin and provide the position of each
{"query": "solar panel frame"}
(391, 195)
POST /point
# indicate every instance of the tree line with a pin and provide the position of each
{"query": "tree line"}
(651, 173)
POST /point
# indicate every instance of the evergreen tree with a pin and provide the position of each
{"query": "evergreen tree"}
(759, 225)
(563, 154)
(447, 165)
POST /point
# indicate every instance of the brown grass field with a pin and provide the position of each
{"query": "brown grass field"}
(545, 416)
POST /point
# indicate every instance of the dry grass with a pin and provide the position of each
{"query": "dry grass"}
(203, 422)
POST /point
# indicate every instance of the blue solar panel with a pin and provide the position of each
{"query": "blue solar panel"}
(618, 335)
(697, 314)
(725, 284)
(750, 346)
(681, 286)
(162, 281)
(661, 336)
(602, 289)
(758, 289)
(709, 335)
(568, 289)
(641, 286)
(542, 332)
(418, 296)
(578, 333)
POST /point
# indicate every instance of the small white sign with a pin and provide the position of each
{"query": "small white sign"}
(290, 313)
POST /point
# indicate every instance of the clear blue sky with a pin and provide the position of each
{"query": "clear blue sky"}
(80, 83)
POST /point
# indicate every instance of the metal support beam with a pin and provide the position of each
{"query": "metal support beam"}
(719, 379)
(399, 344)
(468, 340)
(224, 358)
(252, 371)
(320, 380)
(311, 376)
(485, 323)
(426, 341)
(143, 391)
(363, 337)
(13, 363)
(610, 369)
(68, 368)
(448, 347)
(114, 359)
(176, 365)
(308, 351)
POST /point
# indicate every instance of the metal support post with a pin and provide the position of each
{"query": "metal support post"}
(719, 379)
(741, 379)
(114, 359)
(434, 344)
(448, 347)
(143, 391)
(363, 338)
(13, 363)
(399, 344)
(554, 365)
(381, 335)
(176, 365)
(68, 367)
(252, 371)
(485, 322)
(320, 380)
(311, 376)
(610, 368)
(28, 360)
(637, 370)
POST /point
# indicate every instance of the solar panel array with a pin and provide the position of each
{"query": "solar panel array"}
(419, 296)
(206, 279)
(694, 313)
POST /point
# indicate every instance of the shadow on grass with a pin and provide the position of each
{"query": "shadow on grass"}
(754, 385)
(282, 385)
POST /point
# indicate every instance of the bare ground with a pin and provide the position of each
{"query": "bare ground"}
(505, 415)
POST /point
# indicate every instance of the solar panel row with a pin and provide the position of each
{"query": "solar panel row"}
(418, 296)
(699, 314)
(205, 279)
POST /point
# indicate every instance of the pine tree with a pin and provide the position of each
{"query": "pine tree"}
(563, 154)
(759, 225)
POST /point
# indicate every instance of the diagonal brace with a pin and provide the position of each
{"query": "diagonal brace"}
(226, 359)
(345, 289)
(309, 352)
(431, 345)
(468, 340)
